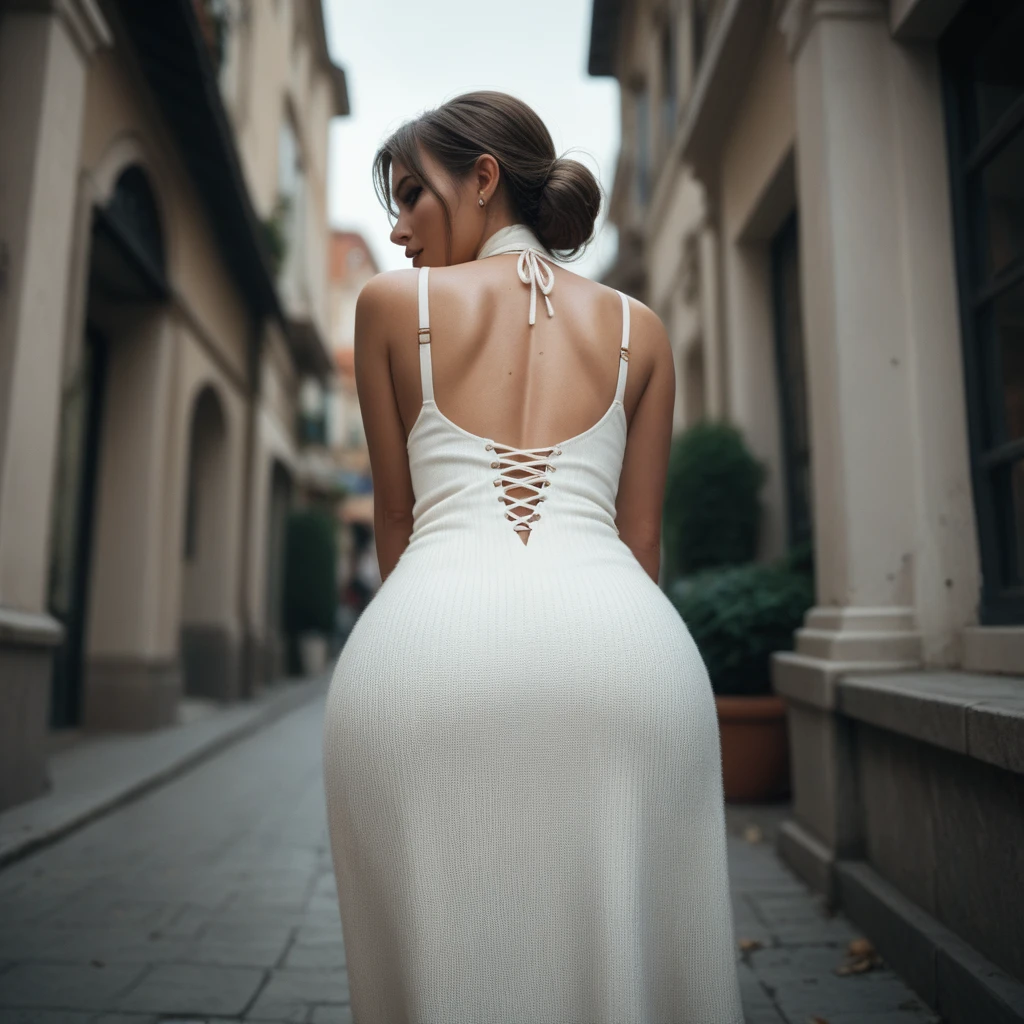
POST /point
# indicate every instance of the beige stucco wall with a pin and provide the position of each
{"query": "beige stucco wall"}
(760, 142)
(274, 442)
(679, 220)
(139, 586)
(128, 606)
(210, 593)
(120, 127)
(271, 76)
(41, 85)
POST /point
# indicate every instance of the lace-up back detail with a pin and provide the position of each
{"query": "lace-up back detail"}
(523, 474)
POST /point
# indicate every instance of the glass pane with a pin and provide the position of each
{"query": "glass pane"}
(1009, 498)
(1001, 209)
(1006, 367)
(998, 71)
(792, 379)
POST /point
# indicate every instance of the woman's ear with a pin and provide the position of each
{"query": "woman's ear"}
(488, 174)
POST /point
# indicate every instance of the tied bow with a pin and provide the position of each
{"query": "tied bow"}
(534, 270)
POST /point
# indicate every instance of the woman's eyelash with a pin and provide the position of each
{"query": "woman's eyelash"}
(411, 195)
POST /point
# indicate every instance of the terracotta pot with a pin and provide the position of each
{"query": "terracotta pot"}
(755, 748)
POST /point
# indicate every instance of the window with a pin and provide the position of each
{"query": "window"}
(983, 77)
(289, 214)
(642, 113)
(789, 354)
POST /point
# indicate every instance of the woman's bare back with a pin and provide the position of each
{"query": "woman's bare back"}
(495, 374)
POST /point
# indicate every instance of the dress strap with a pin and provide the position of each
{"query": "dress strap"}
(426, 371)
(620, 387)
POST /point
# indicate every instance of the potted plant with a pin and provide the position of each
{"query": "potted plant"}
(712, 511)
(738, 616)
(310, 585)
(737, 611)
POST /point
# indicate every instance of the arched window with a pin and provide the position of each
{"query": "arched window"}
(128, 255)
(133, 208)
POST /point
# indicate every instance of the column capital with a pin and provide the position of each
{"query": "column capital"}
(798, 17)
(82, 19)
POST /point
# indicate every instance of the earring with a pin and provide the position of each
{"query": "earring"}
(481, 199)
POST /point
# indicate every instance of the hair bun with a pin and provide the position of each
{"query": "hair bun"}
(567, 208)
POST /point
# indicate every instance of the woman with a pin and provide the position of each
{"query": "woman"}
(521, 753)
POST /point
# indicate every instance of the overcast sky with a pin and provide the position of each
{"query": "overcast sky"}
(408, 56)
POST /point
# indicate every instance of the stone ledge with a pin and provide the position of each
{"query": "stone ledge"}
(980, 716)
(998, 649)
(948, 974)
(29, 629)
(809, 858)
(813, 682)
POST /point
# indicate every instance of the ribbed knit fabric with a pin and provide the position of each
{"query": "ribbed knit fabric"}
(521, 758)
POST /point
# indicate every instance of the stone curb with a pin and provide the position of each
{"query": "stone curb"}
(127, 766)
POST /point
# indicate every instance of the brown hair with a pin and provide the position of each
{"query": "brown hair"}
(556, 197)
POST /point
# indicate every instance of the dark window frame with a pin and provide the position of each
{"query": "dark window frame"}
(799, 506)
(969, 153)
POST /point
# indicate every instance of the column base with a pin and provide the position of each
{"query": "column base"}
(131, 694)
(826, 823)
(211, 661)
(27, 642)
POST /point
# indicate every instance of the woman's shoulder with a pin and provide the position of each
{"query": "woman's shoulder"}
(387, 284)
(387, 291)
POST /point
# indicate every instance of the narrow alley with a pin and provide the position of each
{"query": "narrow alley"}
(212, 899)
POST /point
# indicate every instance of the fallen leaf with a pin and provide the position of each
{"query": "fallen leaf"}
(748, 945)
(753, 834)
(860, 947)
(859, 966)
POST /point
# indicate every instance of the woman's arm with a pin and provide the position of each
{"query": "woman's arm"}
(385, 433)
(645, 465)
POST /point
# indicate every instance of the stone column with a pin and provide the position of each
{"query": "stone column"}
(865, 302)
(45, 48)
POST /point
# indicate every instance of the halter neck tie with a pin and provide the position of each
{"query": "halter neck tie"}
(535, 271)
(533, 266)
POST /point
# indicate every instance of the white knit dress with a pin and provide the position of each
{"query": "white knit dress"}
(521, 756)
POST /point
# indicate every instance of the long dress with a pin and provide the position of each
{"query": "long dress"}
(521, 755)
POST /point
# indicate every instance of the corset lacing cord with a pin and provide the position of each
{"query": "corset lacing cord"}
(535, 479)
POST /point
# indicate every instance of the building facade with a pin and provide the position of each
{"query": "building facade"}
(160, 308)
(832, 214)
(352, 264)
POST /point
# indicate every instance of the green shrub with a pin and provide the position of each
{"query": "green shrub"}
(738, 616)
(712, 511)
(310, 583)
(800, 558)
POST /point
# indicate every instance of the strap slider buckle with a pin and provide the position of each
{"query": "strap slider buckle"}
(624, 352)
(424, 335)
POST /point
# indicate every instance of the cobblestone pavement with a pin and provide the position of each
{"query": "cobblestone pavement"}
(788, 970)
(212, 898)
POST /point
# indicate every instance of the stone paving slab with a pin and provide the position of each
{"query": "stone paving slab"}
(788, 973)
(102, 772)
(212, 899)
